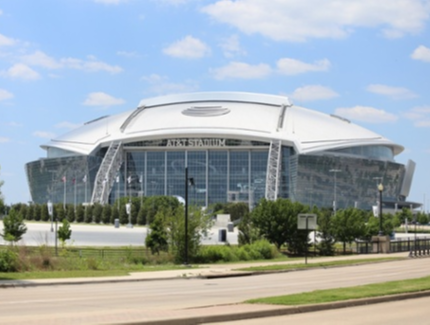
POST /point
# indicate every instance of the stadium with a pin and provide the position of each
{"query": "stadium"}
(236, 147)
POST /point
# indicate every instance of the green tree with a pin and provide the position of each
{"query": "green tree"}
(141, 216)
(88, 214)
(44, 216)
(80, 213)
(248, 233)
(277, 222)
(151, 205)
(372, 226)
(13, 226)
(106, 214)
(114, 214)
(30, 212)
(64, 232)
(326, 243)
(70, 212)
(198, 226)
(59, 212)
(406, 214)
(134, 211)
(236, 210)
(156, 241)
(123, 216)
(422, 218)
(348, 225)
(37, 212)
(97, 212)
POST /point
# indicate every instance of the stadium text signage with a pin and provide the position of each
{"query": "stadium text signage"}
(196, 143)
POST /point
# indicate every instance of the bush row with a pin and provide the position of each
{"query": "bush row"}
(42, 258)
(258, 250)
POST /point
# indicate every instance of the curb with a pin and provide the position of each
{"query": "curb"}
(281, 311)
(14, 284)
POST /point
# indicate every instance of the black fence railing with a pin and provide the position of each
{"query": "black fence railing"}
(111, 253)
(418, 246)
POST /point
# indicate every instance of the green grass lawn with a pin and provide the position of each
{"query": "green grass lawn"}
(342, 294)
(84, 273)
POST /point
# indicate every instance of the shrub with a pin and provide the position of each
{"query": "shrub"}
(265, 249)
(212, 254)
(242, 254)
(8, 261)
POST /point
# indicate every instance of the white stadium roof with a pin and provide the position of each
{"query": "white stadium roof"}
(250, 116)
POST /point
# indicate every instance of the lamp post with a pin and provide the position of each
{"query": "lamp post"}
(380, 189)
(334, 171)
(128, 209)
(188, 181)
(51, 213)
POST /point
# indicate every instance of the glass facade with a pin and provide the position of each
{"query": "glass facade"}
(67, 179)
(219, 175)
(231, 171)
(354, 184)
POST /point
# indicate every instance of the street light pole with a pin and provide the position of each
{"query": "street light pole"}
(188, 181)
(334, 171)
(380, 189)
(51, 213)
(186, 216)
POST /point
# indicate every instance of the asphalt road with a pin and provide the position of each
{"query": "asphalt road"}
(133, 301)
(99, 235)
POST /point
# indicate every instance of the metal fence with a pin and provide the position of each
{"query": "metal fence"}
(111, 253)
(418, 246)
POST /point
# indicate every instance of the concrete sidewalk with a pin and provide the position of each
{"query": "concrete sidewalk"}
(217, 313)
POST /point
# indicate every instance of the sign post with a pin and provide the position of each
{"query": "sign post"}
(307, 221)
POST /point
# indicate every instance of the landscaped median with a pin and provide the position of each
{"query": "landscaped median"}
(378, 292)
(300, 266)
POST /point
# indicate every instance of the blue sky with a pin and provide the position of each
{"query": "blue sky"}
(65, 62)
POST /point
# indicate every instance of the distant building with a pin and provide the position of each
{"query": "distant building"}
(238, 147)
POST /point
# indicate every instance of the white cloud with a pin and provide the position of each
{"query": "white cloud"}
(43, 60)
(392, 92)
(231, 47)
(6, 41)
(187, 48)
(421, 53)
(91, 65)
(419, 115)
(300, 20)
(21, 71)
(161, 85)
(44, 134)
(67, 125)
(102, 99)
(4, 94)
(240, 70)
(366, 114)
(313, 92)
(4, 140)
(291, 67)
(39, 58)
